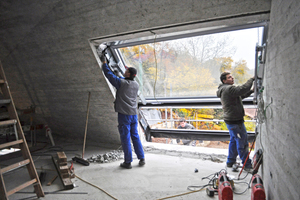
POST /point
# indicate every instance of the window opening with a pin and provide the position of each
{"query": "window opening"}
(189, 67)
(176, 71)
(208, 125)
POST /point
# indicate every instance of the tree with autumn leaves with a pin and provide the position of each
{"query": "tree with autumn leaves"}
(189, 67)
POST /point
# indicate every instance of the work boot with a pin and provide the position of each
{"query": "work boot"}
(249, 169)
(142, 162)
(126, 165)
(229, 164)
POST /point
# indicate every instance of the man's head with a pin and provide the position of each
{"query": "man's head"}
(182, 122)
(130, 73)
(227, 78)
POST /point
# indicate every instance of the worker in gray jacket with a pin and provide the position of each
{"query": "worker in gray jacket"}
(126, 106)
(231, 99)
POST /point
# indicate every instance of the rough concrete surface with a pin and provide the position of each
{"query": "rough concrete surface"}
(280, 132)
(49, 63)
(163, 176)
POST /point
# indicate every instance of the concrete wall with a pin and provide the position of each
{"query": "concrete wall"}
(49, 64)
(280, 135)
(45, 53)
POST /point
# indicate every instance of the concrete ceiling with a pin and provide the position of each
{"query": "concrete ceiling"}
(49, 64)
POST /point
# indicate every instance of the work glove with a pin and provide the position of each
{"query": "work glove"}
(116, 72)
(102, 58)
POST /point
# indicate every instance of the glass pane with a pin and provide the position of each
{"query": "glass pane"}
(190, 67)
(200, 118)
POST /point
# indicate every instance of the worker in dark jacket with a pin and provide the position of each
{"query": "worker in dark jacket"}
(231, 99)
(184, 125)
(126, 106)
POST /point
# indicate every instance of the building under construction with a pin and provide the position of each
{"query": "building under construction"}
(59, 135)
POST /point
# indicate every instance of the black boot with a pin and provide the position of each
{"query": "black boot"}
(142, 162)
(126, 165)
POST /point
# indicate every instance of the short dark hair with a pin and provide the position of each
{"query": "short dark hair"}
(223, 76)
(132, 72)
(182, 120)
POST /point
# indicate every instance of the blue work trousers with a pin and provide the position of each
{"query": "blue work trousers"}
(238, 144)
(128, 129)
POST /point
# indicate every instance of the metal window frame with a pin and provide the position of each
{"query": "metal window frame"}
(211, 30)
(208, 100)
(190, 134)
(117, 61)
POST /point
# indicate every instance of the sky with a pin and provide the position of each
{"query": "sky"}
(245, 41)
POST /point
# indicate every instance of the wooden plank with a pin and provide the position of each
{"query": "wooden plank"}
(2, 81)
(63, 169)
(14, 166)
(62, 158)
(9, 144)
(20, 187)
(8, 122)
(3, 194)
(67, 183)
(52, 180)
(65, 175)
(63, 163)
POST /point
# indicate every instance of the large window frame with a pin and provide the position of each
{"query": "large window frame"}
(117, 64)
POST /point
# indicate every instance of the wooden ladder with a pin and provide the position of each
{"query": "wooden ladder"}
(20, 141)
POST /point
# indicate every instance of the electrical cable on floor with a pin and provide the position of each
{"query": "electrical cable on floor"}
(32, 151)
(201, 187)
(243, 177)
(240, 193)
(36, 159)
(198, 186)
(96, 187)
(177, 195)
(213, 182)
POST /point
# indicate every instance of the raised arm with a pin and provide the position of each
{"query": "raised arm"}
(113, 79)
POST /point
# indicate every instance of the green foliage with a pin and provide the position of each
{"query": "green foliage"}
(223, 126)
(218, 113)
(240, 72)
(225, 63)
(208, 114)
(250, 126)
(186, 67)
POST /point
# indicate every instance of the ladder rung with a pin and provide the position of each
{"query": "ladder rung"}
(8, 122)
(5, 101)
(14, 120)
(20, 187)
(9, 144)
(15, 166)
